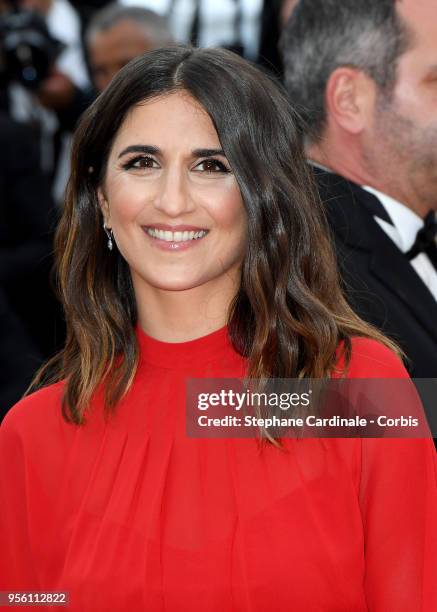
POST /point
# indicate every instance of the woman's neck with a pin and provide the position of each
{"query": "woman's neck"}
(180, 316)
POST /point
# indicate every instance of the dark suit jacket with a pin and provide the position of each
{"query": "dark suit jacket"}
(380, 282)
(31, 326)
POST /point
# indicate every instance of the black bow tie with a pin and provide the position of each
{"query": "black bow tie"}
(426, 240)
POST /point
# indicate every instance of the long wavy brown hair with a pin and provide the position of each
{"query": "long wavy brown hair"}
(289, 315)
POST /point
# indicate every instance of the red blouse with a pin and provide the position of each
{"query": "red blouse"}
(132, 515)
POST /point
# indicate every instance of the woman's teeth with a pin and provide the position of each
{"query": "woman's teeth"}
(175, 236)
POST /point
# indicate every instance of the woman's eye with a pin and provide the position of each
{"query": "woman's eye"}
(212, 165)
(141, 163)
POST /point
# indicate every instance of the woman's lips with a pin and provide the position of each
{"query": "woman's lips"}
(178, 238)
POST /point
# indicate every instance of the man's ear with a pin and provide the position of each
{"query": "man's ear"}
(350, 95)
(104, 207)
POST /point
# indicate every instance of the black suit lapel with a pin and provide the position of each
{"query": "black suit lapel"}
(350, 210)
(388, 264)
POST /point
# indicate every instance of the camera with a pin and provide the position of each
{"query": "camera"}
(27, 50)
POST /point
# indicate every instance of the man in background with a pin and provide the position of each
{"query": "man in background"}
(363, 73)
(116, 34)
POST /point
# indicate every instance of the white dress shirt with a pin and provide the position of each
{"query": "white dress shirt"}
(406, 224)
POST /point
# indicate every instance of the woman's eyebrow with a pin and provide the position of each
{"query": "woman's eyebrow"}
(150, 149)
(208, 152)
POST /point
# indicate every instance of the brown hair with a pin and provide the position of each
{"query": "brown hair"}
(289, 314)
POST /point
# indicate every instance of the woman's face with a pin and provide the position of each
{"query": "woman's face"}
(171, 199)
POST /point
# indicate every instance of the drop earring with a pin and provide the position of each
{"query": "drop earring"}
(110, 236)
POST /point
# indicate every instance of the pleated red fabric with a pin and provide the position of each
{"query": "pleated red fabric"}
(133, 515)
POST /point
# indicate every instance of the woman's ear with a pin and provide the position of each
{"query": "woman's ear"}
(104, 207)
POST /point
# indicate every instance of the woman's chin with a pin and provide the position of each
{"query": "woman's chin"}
(169, 283)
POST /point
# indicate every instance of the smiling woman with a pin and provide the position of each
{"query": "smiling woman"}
(192, 246)
(174, 206)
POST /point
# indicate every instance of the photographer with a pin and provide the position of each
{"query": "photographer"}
(43, 72)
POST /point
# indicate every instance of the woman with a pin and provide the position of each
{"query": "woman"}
(192, 246)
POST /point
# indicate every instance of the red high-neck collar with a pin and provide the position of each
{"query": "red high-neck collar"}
(181, 354)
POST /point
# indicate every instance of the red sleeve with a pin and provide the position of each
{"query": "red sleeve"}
(31, 444)
(17, 569)
(398, 501)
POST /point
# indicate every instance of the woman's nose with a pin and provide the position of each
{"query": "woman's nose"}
(174, 196)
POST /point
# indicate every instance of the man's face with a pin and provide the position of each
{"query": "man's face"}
(110, 50)
(404, 133)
